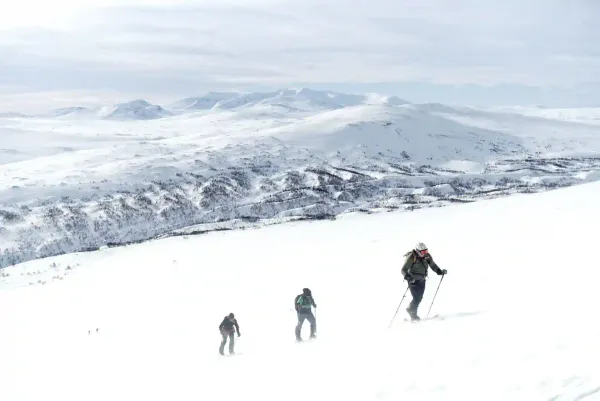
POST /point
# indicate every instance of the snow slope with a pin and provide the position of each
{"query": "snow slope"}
(68, 185)
(587, 115)
(139, 109)
(207, 101)
(135, 110)
(542, 131)
(305, 100)
(286, 100)
(520, 303)
(42, 141)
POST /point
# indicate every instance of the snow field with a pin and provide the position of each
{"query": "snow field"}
(519, 301)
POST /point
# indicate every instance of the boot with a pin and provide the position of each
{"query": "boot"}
(413, 314)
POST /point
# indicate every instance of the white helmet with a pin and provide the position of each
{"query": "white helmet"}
(421, 247)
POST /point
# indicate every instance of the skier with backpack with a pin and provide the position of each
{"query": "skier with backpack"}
(415, 273)
(303, 304)
(228, 327)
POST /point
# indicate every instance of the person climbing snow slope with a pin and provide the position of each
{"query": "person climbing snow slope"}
(303, 304)
(228, 327)
(415, 273)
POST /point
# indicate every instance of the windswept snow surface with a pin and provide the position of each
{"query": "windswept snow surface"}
(520, 306)
(136, 171)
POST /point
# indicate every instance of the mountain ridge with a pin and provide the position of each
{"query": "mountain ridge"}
(72, 184)
(300, 100)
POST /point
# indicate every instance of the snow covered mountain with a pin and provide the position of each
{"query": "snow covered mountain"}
(303, 100)
(73, 111)
(135, 110)
(287, 100)
(205, 102)
(140, 322)
(74, 184)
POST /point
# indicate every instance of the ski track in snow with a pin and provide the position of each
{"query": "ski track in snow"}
(518, 304)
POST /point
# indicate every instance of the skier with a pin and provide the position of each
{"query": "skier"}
(303, 303)
(228, 327)
(415, 273)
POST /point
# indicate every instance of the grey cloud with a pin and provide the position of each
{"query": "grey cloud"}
(538, 42)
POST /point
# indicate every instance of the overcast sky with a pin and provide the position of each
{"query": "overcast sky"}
(63, 52)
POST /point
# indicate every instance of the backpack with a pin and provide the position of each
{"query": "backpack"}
(300, 302)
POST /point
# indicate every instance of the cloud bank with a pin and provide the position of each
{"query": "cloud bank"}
(177, 47)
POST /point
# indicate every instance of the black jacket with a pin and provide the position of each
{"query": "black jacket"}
(227, 326)
(416, 266)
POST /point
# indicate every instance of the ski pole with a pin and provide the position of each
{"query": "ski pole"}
(402, 300)
(436, 291)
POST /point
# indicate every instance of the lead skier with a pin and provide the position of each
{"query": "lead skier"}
(415, 273)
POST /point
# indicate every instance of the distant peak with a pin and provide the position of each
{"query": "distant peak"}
(136, 102)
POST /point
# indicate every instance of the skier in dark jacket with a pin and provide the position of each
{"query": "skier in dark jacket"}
(303, 304)
(228, 327)
(415, 272)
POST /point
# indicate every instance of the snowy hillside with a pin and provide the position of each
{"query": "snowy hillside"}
(286, 100)
(207, 101)
(584, 115)
(68, 185)
(299, 100)
(134, 110)
(140, 322)
(75, 111)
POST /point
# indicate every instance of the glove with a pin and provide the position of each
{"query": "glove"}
(409, 278)
(239, 334)
(315, 305)
(444, 271)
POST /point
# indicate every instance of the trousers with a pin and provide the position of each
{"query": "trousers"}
(311, 319)
(417, 289)
(231, 342)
